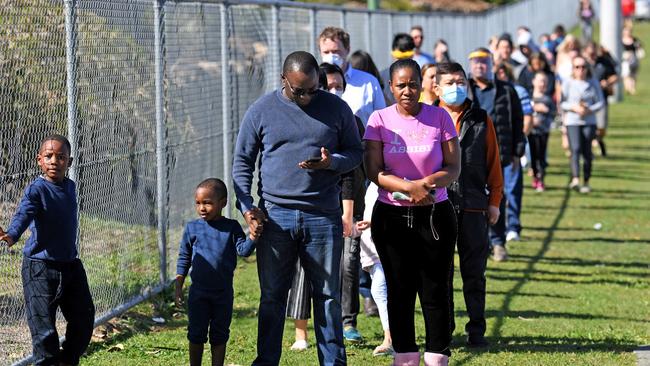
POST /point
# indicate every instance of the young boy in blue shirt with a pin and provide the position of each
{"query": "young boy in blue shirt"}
(53, 277)
(210, 246)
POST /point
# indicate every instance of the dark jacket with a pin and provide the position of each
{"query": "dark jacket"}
(353, 183)
(508, 119)
(469, 191)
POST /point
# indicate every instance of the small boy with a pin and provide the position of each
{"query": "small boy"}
(543, 115)
(209, 246)
(53, 277)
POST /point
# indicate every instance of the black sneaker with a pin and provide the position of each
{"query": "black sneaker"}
(476, 341)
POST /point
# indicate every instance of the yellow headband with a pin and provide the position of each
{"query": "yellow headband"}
(478, 54)
(402, 54)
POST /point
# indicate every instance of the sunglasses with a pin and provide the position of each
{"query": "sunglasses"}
(299, 93)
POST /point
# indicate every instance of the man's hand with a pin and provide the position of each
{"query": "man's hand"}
(6, 238)
(420, 192)
(255, 219)
(178, 293)
(324, 163)
(493, 214)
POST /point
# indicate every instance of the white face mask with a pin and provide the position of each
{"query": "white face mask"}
(339, 93)
(332, 58)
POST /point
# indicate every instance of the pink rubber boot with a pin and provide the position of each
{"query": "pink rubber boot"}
(407, 359)
(435, 359)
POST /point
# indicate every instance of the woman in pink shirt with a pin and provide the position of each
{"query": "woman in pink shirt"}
(412, 154)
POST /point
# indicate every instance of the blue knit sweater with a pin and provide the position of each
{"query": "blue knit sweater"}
(210, 248)
(286, 134)
(50, 211)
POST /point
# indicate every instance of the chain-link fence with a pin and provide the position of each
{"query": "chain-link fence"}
(151, 94)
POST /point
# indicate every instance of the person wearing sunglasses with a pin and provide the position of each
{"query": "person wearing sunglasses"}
(306, 139)
(582, 97)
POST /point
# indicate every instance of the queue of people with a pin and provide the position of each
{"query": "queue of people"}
(365, 171)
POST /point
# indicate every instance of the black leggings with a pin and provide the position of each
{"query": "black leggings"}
(538, 144)
(416, 263)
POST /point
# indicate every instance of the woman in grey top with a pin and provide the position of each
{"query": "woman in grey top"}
(581, 98)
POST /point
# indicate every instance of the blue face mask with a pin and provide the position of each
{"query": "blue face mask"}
(454, 94)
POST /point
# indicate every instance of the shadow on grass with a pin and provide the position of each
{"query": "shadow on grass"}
(543, 345)
(523, 294)
(130, 324)
(596, 281)
(527, 273)
(578, 262)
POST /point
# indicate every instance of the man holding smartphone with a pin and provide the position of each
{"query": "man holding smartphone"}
(299, 212)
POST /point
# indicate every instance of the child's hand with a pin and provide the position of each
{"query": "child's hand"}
(178, 294)
(6, 238)
(363, 225)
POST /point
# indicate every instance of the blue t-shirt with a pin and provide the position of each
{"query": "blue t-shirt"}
(50, 211)
(210, 248)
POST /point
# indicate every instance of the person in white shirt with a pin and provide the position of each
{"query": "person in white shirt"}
(363, 93)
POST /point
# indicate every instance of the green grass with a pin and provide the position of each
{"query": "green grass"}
(570, 294)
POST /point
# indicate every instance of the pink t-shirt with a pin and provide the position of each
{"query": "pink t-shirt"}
(412, 145)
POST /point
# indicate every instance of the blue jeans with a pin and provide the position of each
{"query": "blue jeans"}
(513, 187)
(317, 238)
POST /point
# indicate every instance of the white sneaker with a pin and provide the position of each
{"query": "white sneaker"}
(300, 345)
(512, 236)
(585, 189)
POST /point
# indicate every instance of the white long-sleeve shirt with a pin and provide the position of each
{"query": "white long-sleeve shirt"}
(363, 94)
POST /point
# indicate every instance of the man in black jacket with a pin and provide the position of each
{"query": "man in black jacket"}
(499, 99)
(477, 193)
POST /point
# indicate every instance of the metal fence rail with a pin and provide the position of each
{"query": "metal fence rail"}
(151, 93)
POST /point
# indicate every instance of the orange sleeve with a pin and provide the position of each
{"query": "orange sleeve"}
(495, 174)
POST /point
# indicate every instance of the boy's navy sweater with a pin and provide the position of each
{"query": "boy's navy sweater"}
(50, 211)
(211, 249)
(286, 134)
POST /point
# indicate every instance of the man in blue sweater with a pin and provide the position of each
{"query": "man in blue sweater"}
(53, 277)
(307, 138)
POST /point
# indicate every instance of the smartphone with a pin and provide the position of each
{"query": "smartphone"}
(314, 159)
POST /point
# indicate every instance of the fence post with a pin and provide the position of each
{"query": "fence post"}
(368, 30)
(161, 173)
(610, 36)
(225, 106)
(313, 48)
(275, 45)
(71, 81)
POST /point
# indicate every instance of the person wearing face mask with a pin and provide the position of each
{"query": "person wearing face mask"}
(475, 207)
(363, 93)
(353, 190)
(307, 139)
(500, 100)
